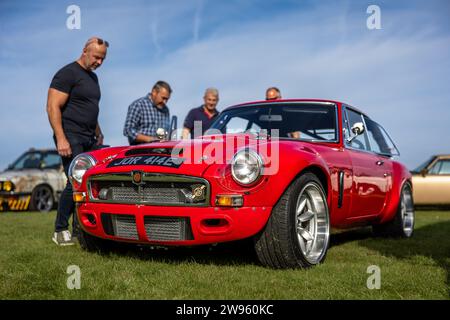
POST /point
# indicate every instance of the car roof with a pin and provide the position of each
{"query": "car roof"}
(442, 156)
(287, 101)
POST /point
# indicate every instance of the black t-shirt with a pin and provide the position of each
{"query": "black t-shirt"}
(199, 114)
(80, 113)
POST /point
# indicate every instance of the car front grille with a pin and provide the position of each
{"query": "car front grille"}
(122, 226)
(156, 228)
(168, 228)
(149, 194)
(154, 189)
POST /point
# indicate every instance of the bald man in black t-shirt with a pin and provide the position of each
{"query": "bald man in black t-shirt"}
(73, 107)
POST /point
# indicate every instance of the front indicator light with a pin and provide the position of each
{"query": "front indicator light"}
(79, 196)
(229, 201)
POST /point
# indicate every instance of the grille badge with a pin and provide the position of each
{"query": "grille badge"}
(136, 177)
(198, 193)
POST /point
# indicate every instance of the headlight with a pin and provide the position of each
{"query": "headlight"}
(8, 186)
(246, 166)
(82, 163)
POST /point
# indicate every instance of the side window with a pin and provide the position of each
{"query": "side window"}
(30, 161)
(361, 142)
(441, 167)
(51, 161)
(377, 140)
(445, 168)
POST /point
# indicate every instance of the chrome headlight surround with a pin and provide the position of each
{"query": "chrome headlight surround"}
(79, 165)
(246, 167)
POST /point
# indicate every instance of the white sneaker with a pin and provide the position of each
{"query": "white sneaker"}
(62, 238)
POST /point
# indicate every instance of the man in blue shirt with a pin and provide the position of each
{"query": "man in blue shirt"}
(148, 115)
(200, 119)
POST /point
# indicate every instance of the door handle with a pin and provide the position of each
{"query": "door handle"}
(379, 163)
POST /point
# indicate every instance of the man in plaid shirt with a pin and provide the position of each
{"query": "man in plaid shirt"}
(148, 114)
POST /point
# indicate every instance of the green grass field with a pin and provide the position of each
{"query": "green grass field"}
(33, 267)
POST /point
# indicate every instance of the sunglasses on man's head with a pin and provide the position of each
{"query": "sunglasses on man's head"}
(101, 41)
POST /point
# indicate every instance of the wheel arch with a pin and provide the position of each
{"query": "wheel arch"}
(320, 174)
(46, 185)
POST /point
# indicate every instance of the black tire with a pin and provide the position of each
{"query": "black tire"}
(402, 226)
(280, 245)
(42, 199)
(94, 244)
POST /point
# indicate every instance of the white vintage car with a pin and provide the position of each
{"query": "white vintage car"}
(33, 182)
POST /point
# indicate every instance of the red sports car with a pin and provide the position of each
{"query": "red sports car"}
(281, 172)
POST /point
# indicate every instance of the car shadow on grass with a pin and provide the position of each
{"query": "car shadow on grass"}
(431, 240)
(236, 253)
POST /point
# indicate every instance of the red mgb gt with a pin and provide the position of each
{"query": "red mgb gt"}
(281, 172)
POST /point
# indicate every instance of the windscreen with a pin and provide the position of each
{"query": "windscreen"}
(311, 122)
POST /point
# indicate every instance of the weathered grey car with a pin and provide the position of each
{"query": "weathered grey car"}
(33, 182)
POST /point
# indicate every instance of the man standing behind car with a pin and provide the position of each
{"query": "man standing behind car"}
(73, 107)
(200, 119)
(148, 116)
(273, 93)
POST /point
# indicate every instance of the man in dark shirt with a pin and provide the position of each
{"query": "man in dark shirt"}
(148, 116)
(200, 119)
(73, 107)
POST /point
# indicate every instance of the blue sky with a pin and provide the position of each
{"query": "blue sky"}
(399, 74)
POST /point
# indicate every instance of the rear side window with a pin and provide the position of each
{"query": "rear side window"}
(379, 140)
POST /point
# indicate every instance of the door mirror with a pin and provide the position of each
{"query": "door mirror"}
(357, 129)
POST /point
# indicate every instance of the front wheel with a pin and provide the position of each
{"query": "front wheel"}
(42, 199)
(94, 244)
(403, 223)
(297, 233)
